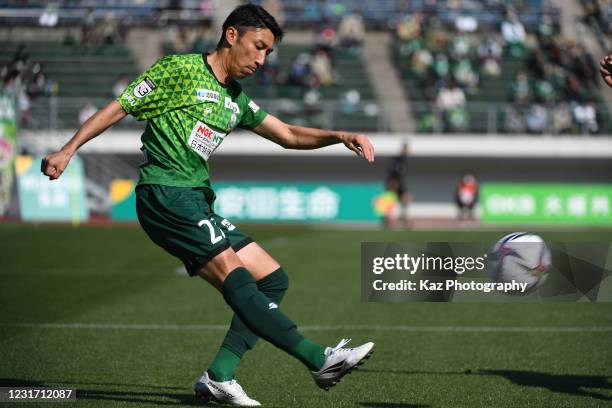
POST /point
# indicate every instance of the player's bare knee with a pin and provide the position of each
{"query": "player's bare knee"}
(218, 268)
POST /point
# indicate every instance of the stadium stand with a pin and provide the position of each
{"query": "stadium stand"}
(347, 102)
(80, 75)
(469, 77)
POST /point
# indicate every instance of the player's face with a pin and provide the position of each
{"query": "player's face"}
(249, 51)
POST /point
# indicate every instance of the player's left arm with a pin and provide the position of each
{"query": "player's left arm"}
(300, 137)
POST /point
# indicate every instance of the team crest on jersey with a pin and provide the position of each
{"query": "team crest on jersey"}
(144, 87)
(204, 140)
(207, 95)
(231, 105)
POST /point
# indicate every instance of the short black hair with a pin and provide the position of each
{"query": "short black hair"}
(249, 16)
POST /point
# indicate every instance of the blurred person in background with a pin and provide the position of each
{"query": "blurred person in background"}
(514, 34)
(466, 195)
(351, 32)
(397, 181)
(191, 103)
(451, 104)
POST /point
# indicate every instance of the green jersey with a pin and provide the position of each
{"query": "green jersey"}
(189, 113)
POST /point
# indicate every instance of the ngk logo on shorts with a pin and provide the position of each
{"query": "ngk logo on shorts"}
(203, 140)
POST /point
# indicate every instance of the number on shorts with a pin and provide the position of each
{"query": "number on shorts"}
(213, 238)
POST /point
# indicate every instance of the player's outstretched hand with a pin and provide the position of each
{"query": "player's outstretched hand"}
(605, 67)
(360, 144)
(53, 164)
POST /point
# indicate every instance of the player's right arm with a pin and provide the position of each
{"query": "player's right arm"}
(54, 164)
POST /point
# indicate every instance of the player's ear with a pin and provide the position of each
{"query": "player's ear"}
(231, 35)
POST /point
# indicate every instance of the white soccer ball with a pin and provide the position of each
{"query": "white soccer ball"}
(521, 257)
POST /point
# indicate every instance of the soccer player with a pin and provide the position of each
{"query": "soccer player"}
(191, 103)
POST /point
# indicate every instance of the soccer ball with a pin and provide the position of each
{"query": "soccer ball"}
(521, 257)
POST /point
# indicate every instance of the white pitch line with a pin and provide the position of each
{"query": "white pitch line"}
(372, 328)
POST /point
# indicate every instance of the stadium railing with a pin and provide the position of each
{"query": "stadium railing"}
(487, 118)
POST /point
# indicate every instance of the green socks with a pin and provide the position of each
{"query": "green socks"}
(224, 365)
(309, 353)
(263, 317)
(239, 338)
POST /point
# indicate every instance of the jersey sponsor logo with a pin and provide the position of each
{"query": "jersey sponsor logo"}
(231, 105)
(203, 140)
(143, 88)
(233, 120)
(207, 95)
(253, 106)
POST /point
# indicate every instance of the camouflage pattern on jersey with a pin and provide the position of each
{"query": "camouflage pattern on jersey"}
(188, 113)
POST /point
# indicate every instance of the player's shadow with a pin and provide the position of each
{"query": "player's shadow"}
(563, 383)
(572, 384)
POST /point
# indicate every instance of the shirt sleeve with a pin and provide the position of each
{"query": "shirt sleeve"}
(253, 114)
(149, 95)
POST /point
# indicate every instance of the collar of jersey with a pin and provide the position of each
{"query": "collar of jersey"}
(209, 68)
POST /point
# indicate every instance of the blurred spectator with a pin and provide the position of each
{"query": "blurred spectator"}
(544, 91)
(410, 27)
(49, 17)
(397, 181)
(436, 37)
(299, 72)
(466, 75)
(321, 67)
(86, 112)
(328, 37)
(109, 29)
(514, 121)
(536, 119)
(585, 116)
(351, 31)
(451, 104)
(521, 91)
(514, 34)
(350, 102)
(546, 32)
(441, 65)
(490, 54)
(13, 85)
(422, 60)
(39, 85)
(88, 26)
(466, 196)
(561, 119)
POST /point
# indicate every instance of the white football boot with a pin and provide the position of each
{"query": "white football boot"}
(226, 392)
(340, 361)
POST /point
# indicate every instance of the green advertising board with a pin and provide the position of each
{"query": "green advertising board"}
(572, 204)
(41, 199)
(8, 132)
(277, 202)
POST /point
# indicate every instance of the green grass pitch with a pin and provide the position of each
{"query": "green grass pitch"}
(147, 331)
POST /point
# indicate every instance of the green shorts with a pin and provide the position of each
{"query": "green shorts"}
(183, 222)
